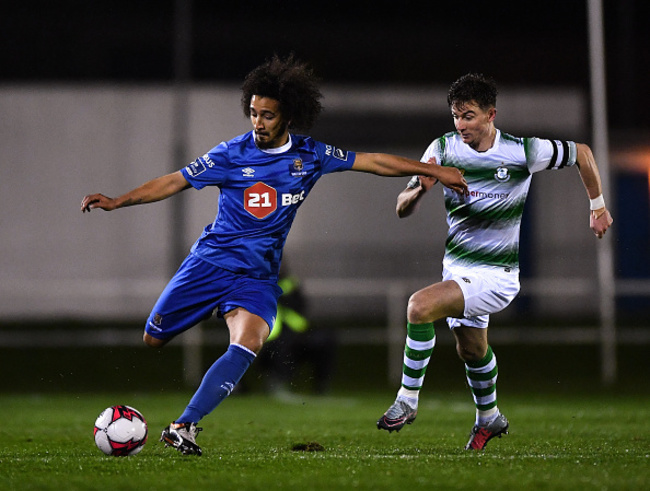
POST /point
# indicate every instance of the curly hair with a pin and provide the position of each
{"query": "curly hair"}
(473, 87)
(290, 82)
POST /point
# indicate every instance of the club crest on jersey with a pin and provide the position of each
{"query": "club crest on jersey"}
(297, 168)
(248, 172)
(502, 174)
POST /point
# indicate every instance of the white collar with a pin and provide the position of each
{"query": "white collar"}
(277, 150)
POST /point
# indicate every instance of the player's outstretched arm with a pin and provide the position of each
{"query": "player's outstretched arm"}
(154, 190)
(384, 164)
(599, 219)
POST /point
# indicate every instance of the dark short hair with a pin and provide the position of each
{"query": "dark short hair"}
(473, 87)
(290, 82)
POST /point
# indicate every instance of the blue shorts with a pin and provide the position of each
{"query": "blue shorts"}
(199, 289)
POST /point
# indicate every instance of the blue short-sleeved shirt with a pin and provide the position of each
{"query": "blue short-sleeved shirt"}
(260, 192)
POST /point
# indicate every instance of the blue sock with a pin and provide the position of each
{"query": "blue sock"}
(218, 382)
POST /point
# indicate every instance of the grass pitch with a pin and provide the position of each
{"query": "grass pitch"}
(256, 442)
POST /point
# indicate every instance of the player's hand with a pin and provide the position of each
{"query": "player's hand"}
(599, 221)
(451, 177)
(92, 201)
(427, 182)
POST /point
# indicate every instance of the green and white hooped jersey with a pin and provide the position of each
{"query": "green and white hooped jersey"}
(484, 222)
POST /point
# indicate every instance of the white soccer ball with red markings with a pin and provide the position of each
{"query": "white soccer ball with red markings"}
(120, 431)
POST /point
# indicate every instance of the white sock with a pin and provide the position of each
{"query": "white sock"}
(484, 418)
(409, 396)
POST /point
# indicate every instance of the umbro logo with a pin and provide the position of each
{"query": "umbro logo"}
(337, 153)
(228, 387)
(248, 172)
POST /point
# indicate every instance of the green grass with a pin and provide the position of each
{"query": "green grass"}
(556, 441)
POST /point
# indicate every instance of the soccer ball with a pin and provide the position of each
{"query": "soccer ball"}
(120, 431)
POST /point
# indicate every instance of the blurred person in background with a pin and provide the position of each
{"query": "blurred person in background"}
(295, 344)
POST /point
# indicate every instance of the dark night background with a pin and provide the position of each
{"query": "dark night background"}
(379, 42)
(93, 44)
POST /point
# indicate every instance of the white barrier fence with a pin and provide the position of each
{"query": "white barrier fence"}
(392, 292)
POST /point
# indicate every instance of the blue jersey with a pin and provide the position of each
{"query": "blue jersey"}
(260, 192)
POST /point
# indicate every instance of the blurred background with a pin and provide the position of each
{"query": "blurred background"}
(102, 96)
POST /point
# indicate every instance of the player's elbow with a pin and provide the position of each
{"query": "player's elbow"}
(398, 210)
(404, 208)
(584, 153)
(153, 342)
(401, 211)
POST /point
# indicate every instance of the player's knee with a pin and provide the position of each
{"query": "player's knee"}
(249, 340)
(253, 343)
(417, 311)
(470, 352)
